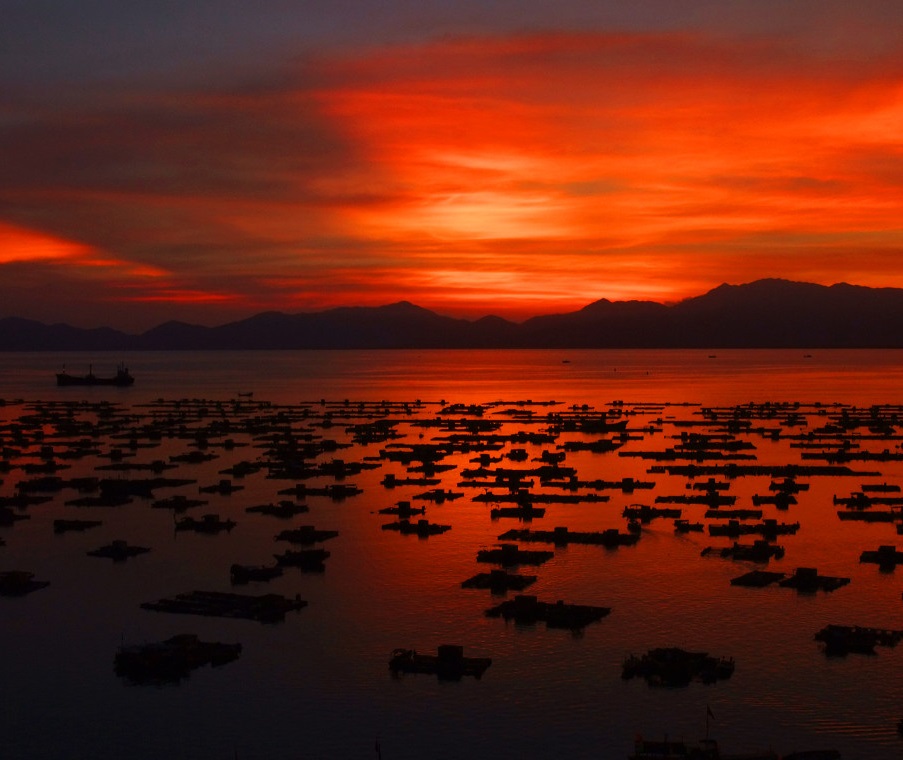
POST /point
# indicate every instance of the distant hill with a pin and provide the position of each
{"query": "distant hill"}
(27, 335)
(763, 314)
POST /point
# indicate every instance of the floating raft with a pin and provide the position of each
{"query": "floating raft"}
(157, 465)
(677, 667)
(403, 509)
(116, 492)
(103, 500)
(337, 469)
(734, 470)
(421, 528)
(807, 579)
(439, 495)
(561, 536)
(733, 514)
(509, 555)
(644, 513)
(118, 551)
(527, 609)
(840, 640)
(9, 517)
(526, 512)
(880, 487)
(870, 515)
(305, 535)
(209, 523)
(391, 481)
(499, 581)
(19, 583)
(544, 498)
(449, 664)
(886, 557)
(172, 659)
(804, 579)
(711, 499)
(788, 485)
(19, 501)
(601, 446)
(757, 579)
(781, 499)
(241, 574)
(178, 503)
(758, 551)
(710, 485)
(242, 469)
(223, 488)
(625, 485)
(46, 484)
(768, 528)
(64, 526)
(142, 487)
(308, 560)
(283, 509)
(861, 500)
(192, 457)
(335, 491)
(268, 608)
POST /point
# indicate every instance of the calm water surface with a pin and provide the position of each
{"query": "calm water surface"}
(317, 685)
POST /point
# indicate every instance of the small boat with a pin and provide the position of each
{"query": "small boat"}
(122, 378)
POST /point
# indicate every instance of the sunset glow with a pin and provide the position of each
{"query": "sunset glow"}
(17, 245)
(512, 173)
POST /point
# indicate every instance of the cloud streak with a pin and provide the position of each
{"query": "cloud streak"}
(511, 174)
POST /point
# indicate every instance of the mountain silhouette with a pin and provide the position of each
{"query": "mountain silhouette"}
(770, 313)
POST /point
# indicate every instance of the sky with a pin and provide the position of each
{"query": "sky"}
(208, 160)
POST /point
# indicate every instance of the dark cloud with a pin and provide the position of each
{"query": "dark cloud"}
(117, 169)
(46, 42)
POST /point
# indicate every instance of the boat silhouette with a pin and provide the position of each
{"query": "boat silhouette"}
(122, 378)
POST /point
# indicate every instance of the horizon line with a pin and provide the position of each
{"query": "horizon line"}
(405, 301)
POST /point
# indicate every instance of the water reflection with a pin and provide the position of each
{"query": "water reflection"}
(324, 672)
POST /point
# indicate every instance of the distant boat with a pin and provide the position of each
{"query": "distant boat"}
(122, 378)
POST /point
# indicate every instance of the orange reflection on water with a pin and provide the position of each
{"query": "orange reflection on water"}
(382, 590)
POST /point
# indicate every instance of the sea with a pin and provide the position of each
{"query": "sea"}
(318, 684)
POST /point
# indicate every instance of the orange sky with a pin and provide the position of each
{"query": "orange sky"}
(512, 174)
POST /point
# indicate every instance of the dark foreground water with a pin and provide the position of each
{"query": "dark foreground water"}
(318, 684)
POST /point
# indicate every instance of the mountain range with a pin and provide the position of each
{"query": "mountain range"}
(769, 313)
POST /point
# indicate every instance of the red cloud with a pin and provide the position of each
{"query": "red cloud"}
(512, 174)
